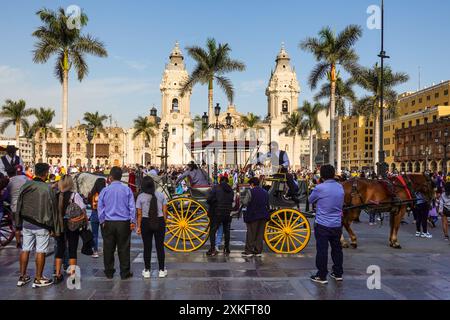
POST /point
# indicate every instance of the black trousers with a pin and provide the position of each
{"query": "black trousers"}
(147, 238)
(254, 240)
(325, 235)
(68, 240)
(216, 221)
(116, 234)
(421, 215)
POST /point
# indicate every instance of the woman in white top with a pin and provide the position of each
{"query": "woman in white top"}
(151, 208)
(69, 240)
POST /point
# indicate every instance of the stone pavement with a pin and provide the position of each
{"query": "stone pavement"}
(418, 271)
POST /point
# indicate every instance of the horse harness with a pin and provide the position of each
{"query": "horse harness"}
(390, 186)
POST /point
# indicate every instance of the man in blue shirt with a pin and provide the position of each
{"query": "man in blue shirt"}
(117, 217)
(329, 200)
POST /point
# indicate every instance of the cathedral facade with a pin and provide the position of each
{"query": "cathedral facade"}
(282, 93)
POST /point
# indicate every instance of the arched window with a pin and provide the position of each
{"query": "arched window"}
(175, 105)
(116, 149)
(78, 147)
(285, 106)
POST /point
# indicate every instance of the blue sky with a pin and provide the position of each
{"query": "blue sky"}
(139, 36)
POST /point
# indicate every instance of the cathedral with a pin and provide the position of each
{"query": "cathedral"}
(282, 93)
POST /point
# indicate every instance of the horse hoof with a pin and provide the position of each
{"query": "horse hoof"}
(345, 245)
(354, 245)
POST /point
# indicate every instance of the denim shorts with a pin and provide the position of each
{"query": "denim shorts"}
(35, 240)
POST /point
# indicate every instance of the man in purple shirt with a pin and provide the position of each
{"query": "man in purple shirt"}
(329, 200)
(117, 216)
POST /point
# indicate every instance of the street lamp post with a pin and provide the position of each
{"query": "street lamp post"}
(382, 167)
(166, 139)
(445, 145)
(217, 126)
(90, 136)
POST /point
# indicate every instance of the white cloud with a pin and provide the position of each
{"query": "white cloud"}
(9, 74)
(253, 86)
(133, 64)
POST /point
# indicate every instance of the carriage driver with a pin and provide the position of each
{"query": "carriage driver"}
(10, 160)
(197, 175)
(280, 164)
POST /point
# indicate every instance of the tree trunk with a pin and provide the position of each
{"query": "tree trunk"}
(332, 115)
(94, 151)
(310, 151)
(376, 141)
(210, 101)
(339, 146)
(18, 136)
(65, 108)
(44, 148)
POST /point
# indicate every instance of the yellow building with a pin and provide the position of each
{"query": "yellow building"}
(357, 143)
(415, 108)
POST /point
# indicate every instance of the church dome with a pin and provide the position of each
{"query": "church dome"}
(176, 52)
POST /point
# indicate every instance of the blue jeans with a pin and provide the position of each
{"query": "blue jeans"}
(219, 235)
(95, 224)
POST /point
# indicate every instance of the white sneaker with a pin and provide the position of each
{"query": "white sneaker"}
(418, 234)
(95, 255)
(146, 274)
(162, 273)
(427, 235)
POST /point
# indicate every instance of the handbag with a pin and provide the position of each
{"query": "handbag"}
(88, 241)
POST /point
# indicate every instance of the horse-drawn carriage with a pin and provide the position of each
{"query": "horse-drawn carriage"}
(287, 230)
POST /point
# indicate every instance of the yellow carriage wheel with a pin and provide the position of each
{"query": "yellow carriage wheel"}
(287, 231)
(187, 225)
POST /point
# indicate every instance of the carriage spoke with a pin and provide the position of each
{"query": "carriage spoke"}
(181, 208)
(299, 225)
(295, 238)
(273, 220)
(198, 238)
(281, 237)
(193, 213)
(198, 230)
(174, 235)
(276, 237)
(295, 221)
(282, 244)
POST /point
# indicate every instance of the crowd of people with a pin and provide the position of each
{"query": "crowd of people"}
(45, 205)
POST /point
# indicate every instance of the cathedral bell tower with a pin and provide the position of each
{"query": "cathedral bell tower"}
(176, 108)
(283, 90)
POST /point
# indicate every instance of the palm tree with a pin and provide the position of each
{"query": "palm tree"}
(15, 113)
(292, 127)
(44, 118)
(344, 92)
(331, 51)
(212, 63)
(144, 127)
(250, 122)
(55, 38)
(370, 105)
(95, 121)
(310, 122)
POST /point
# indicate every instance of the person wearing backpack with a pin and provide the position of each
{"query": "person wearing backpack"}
(72, 212)
(99, 185)
(151, 207)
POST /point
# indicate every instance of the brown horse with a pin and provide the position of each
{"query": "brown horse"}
(377, 196)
